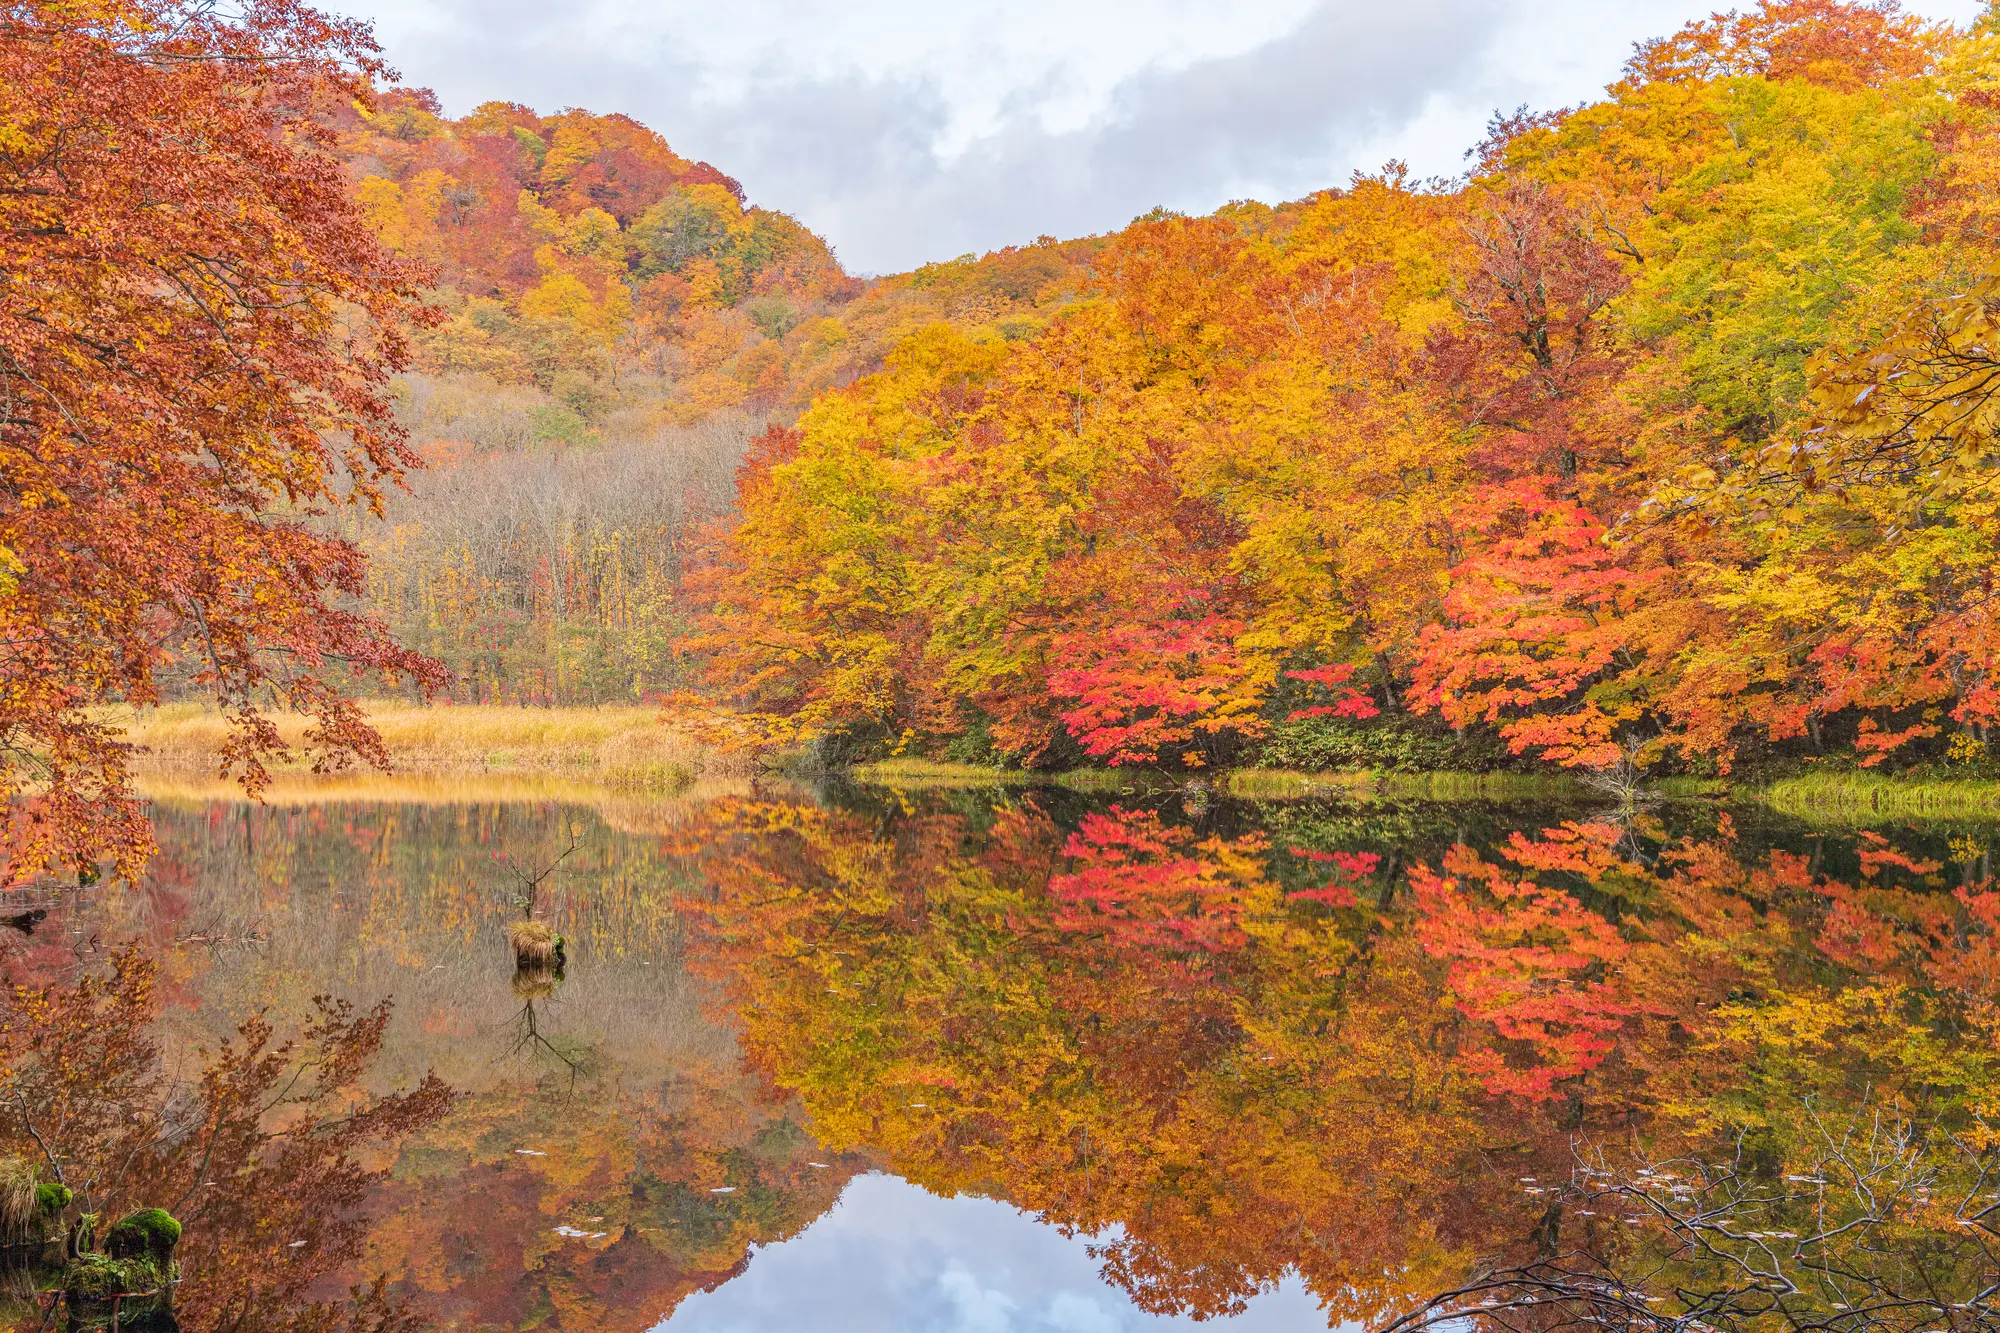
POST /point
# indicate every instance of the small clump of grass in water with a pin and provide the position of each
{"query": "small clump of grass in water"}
(535, 943)
(933, 773)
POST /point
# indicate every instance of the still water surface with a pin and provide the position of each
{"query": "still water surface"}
(854, 1059)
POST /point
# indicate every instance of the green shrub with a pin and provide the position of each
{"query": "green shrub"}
(974, 745)
(557, 422)
(1395, 743)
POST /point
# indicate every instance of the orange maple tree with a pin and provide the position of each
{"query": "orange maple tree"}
(196, 333)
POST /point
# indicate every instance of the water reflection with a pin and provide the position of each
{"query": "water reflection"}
(1392, 1062)
(890, 1256)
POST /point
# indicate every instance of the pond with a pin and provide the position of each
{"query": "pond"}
(1028, 1059)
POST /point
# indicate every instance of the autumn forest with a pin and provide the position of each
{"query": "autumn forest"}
(1425, 756)
(1654, 441)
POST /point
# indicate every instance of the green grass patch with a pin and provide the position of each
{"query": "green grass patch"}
(1268, 784)
(1868, 798)
(1113, 781)
(1279, 784)
(931, 773)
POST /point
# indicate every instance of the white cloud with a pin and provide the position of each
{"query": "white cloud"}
(906, 130)
(976, 1306)
(891, 1256)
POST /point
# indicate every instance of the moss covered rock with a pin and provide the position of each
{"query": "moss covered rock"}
(147, 1233)
(98, 1276)
(136, 1292)
(131, 1280)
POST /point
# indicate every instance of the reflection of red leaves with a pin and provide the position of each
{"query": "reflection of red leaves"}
(1876, 852)
(1348, 866)
(1529, 961)
(1967, 958)
(1857, 937)
(1145, 883)
(1580, 849)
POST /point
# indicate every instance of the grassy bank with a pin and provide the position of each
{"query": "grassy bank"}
(469, 752)
(617, 746)
(1865, 798)
(1247, 783)
(920, 774)
(1278, 784)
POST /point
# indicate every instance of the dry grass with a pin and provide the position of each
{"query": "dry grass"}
(623, 808)
(534, 943)
(614, 746)
(17, 1200)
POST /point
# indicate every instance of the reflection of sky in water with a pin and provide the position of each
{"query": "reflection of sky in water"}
(892, 1257)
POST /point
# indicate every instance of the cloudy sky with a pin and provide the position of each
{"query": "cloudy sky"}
(912, 130)
(890, 1256)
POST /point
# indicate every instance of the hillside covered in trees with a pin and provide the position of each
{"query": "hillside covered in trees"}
(1658, 437)
(1662, 439)
(616, 322)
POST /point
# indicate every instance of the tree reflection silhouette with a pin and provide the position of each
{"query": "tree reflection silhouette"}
(1417, 1094)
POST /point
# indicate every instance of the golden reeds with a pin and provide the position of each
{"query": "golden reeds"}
(623, 746)
(18, 1203)
(536, 943)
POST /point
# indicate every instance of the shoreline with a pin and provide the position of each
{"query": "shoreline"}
(619, 745)
(626, 748)
(1854, 797)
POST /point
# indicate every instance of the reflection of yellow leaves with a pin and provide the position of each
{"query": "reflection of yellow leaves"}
(1983, 1134)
